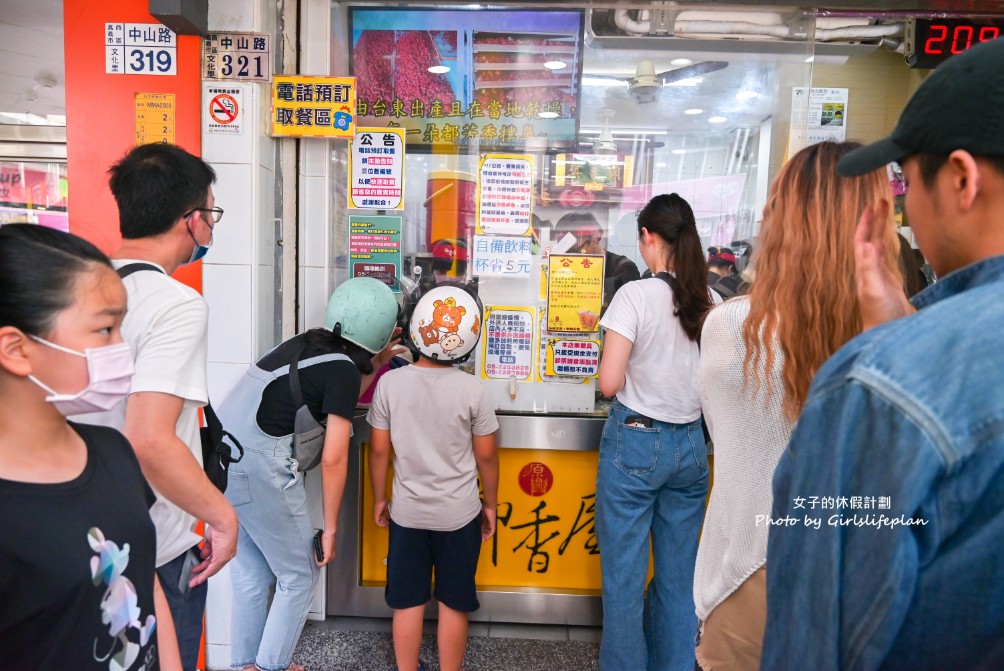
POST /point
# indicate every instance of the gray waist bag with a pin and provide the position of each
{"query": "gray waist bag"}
(308, 433)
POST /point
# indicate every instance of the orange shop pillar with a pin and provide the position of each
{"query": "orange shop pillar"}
(101, 112)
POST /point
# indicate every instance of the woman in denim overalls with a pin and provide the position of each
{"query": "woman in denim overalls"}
(653, 468)
(275, 544)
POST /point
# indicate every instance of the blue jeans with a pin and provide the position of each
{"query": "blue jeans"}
(186, 609)
(274, 546)
(651, 483)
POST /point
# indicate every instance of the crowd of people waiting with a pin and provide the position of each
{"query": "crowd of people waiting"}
(857, 512)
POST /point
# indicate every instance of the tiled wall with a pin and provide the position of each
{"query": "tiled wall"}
(239, 272)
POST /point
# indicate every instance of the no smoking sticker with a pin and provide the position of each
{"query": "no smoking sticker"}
(223, 108)
(223, 111)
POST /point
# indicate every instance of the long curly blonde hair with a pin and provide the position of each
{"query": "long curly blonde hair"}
(804, 297)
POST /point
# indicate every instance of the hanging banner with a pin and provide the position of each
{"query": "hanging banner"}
(502, 256)
(507, 343)
(155, 118)
(313, 106)
(244, 57)
(376, 171)
(375, 248)
(505, 194)
(574, 292)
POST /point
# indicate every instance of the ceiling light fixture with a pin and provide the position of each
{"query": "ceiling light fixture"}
(601, 81)
(679, 151)
(439, 69)
(555, 65)
(681, 61)
(689, 81)
(717, 119)
(693, 110)
(746, 95)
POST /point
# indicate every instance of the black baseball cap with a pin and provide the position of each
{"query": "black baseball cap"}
(959, 106)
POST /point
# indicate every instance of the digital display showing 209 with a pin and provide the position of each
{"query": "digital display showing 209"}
(939, 39)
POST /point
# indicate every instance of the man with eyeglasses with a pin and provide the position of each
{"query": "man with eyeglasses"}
(166, 217)
(885, 550)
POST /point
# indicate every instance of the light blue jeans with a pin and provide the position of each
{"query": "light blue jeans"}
(651, 483)
(274, 546)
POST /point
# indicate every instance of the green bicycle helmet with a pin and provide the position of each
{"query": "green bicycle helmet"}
(363, 310)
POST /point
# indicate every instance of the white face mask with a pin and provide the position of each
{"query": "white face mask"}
(110, 371)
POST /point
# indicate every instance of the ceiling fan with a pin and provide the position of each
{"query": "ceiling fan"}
(645, 85)
(604, 142)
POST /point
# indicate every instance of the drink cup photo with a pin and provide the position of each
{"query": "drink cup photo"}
(587, 319)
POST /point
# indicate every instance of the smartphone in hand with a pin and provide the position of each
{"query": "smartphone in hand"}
(318, 548)
(191, 559)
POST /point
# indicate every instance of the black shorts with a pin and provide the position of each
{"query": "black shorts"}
(414, 553)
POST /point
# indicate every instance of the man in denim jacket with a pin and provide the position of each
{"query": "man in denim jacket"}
(886, 547)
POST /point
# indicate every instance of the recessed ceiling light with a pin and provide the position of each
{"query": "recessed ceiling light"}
(681, 61)
(439, 69)
(810, 59)
(693, 110)
(555, 65)
(679, 151)
(717, 119)
(746, 95)
(548, 115)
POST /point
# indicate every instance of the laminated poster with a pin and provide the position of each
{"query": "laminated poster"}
(574, 292)
(502, 255)
(579, 358)
(507, 345)
(505, 194)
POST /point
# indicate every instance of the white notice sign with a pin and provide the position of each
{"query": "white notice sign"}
(817, 115)
(223, 109)
(376, 170)
(140, 49)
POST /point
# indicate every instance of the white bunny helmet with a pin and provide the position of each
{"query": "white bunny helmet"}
(445, 323)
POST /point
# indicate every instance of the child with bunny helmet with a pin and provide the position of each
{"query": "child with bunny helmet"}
(442, 424)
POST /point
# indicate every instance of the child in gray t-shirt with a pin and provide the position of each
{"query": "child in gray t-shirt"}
(442, 425)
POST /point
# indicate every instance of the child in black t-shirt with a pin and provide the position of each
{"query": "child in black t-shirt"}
(77, 544)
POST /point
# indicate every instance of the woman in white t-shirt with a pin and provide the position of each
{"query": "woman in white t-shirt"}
(760, 353)
(653, 469)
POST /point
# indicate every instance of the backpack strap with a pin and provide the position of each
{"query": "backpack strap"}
(294, 376)
(130, 268)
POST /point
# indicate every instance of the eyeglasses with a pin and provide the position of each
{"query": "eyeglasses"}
(216, 213)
